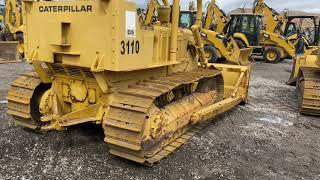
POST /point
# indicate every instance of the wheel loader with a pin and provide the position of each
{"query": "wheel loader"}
(141, 82)
(305, 76)
(11, 34)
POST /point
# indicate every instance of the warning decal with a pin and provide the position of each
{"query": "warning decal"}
(130, 24)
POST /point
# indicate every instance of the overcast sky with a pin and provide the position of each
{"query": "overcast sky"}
(279, 5)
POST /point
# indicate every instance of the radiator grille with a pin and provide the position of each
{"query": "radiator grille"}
(71, 70)
(88, 73)
(58, 69)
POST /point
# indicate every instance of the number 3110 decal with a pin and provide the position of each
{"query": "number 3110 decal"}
(130, 47)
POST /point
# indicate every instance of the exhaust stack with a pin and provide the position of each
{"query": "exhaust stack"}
(174, 30)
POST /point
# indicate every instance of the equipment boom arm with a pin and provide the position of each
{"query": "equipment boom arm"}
(274, 20)
(214, 10)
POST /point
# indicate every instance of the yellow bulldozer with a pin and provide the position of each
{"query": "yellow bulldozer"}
(142, 82)
(11, 34)
(305, 76)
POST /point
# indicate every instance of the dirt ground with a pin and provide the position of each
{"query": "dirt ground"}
(264, 139)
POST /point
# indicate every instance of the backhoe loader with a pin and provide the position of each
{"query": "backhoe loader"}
(11, 35)
(217, 45)
(140, 81)
(306, 24)
(276, 44)
(305, 75)
(246, 36)
(245, 29)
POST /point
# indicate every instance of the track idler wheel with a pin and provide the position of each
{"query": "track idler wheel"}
(35, 103)
(24, 98)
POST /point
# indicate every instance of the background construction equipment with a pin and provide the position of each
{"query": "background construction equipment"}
(2, 9)
(11, 34)
(276, 44)
(217, 45)
(305, 75)
(214, 13)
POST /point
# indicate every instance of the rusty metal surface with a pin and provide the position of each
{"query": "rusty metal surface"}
(136, 129)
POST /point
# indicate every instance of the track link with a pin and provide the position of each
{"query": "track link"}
(126, 118)
(308, 92)
(19, 99)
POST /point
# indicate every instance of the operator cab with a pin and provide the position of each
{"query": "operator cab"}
(247, 24)
(187, 19)
(306, 24)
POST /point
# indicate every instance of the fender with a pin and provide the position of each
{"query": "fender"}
(242, 37)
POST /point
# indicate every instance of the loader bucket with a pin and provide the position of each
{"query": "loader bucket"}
(245, 56)
(239, 56)
(9, 51)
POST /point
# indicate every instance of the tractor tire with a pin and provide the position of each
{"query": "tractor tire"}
(211, 54)
(272, 55)
(241, 44)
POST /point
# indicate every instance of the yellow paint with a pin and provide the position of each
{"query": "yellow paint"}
(242, 37)
(272, 18)
(215, 13)
(231, 52)
(130, 77)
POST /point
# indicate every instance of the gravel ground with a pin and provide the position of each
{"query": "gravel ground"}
(264, 139)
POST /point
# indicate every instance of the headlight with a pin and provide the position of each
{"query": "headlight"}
(266, 35)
